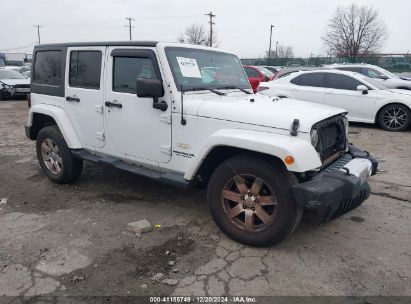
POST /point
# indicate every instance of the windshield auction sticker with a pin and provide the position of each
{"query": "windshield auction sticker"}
(189, 67)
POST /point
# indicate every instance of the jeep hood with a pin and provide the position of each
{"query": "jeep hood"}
(267, 111)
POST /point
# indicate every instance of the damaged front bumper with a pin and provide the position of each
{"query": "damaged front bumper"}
(340, 187)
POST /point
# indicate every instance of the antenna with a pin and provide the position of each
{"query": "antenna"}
(183, 120)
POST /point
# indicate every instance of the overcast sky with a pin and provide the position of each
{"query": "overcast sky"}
(242, 25)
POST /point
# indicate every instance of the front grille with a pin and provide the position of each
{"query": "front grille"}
(21, 86)
(332, 140)
(349, 205)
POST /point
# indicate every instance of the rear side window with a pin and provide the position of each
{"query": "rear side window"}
(251, 72)
(128, 69)
(342, 82)
(47, 68)
(310, 80)
(85, 69)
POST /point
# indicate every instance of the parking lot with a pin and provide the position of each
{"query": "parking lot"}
(72, 239)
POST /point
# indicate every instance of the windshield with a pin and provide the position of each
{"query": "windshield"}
(375, 83)
(10, 74)
(204, 69)
(265, 71)
(385, 72)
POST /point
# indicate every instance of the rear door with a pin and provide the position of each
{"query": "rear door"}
(84, 93)
(309, 87)
(343, 94)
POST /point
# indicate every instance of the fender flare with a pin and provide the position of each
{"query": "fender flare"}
(62, 121)
(305, 156)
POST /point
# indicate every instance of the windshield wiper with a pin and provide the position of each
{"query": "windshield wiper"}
(205, 89)
(234, 87)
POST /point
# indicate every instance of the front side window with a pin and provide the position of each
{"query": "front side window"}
(85, 69)
(126, 71)
(310, 80)
(205, 69)
(342, 82)
(47, 68)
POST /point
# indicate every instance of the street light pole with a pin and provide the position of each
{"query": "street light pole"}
(271, 33)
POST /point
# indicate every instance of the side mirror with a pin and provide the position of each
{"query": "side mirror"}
(266, 78)
(362, 88)
(151, 88)
(383, 77)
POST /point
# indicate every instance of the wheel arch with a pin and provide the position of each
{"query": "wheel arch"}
(42, 115)
(386, 105)
(230, 142)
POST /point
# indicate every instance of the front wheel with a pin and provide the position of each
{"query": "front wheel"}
(251, 200)
(394, 117)
(55, 157)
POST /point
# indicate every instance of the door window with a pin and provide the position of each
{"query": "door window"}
(85, 69)
(126, 71)
(372, 73)
(342, 82)
(310, 80)
(251, 72)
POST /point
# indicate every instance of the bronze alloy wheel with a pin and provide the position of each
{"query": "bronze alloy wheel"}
(249, 203)
(51, 156)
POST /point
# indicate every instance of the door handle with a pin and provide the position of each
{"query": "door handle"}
(74, 98)
(113, 104)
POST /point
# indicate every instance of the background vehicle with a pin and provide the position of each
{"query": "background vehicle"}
(13, 84)
(152, 112)
(273, 69)
(257, 74)
(26, 74)
(288, 70)
(365, 99)
(386, 78)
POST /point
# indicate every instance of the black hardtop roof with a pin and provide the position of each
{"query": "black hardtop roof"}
(100, 43)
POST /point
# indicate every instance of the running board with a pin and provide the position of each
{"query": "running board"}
(173, 179)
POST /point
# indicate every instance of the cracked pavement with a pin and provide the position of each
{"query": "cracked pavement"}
(72, 239)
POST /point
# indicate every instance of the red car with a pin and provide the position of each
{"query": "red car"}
(257, 74)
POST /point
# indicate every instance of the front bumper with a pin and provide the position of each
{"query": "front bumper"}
(340, 187)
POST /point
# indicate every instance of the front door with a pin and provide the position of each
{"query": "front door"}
(343, 94)
(134, 128)
(84, 93)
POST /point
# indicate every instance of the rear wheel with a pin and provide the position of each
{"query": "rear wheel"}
(55, 158)
(252, 201)
(394, 117)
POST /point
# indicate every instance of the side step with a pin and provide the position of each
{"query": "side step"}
(170, 178)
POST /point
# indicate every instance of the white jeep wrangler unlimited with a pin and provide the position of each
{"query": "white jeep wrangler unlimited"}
(185, 114)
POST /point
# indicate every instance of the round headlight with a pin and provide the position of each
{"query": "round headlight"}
(314, 137)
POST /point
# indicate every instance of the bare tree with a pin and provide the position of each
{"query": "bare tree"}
(286, 52)
(354, 31)
(196, 34)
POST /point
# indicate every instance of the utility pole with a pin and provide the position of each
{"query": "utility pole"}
(210, 14)
(129, 25)
(271, 34)
(38, 26)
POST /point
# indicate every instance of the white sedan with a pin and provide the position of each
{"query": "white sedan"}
(365, 99)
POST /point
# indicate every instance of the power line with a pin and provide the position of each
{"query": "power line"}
(210, 14)
(38, 26)
(129, 25)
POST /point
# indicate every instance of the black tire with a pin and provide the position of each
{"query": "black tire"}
(402, 120)
(276, 180)
(70, 168)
